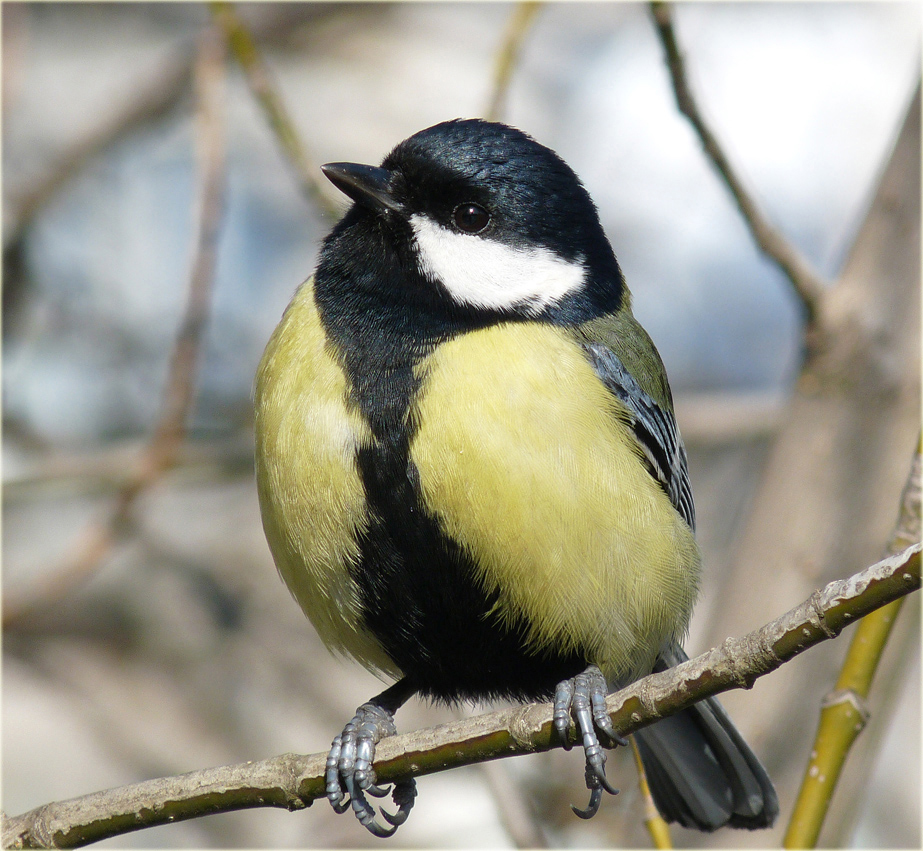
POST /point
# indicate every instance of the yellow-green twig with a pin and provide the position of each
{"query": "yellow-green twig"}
(653, 821)
(844, 712)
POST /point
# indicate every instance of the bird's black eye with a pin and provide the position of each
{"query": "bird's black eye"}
(470, 218)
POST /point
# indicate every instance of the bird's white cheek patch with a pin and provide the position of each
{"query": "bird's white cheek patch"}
(483, 273)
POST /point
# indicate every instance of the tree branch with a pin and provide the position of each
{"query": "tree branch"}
(293, 782)
(521, 20)
(844, 709)
(808, 285)
(270, 100)
(163, 448)
(655, 823)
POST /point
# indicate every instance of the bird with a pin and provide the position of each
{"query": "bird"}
(470, 473)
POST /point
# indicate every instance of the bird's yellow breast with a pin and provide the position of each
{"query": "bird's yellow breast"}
(520, 458)
(518, 455)
(311, 496)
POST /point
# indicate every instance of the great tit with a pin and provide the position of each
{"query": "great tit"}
(470, 474)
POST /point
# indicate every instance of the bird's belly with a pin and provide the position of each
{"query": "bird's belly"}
(514, 539)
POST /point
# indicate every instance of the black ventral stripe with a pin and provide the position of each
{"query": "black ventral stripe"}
(418, 591)
(417, 586)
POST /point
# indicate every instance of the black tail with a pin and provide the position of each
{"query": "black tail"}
(701, 772)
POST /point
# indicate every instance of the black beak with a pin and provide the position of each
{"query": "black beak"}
(365, 184)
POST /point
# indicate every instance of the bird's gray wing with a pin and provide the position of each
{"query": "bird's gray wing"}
(654, 427)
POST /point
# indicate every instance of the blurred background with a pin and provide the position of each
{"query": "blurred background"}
(165, 642)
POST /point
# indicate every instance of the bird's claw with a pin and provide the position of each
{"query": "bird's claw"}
(405, 791)
(584, 698)
(349, 775)
(596, 795)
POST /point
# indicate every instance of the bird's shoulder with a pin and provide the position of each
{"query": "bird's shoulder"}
(625, 337)
(624, 358)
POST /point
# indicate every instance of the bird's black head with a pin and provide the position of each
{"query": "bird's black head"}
(477, 219)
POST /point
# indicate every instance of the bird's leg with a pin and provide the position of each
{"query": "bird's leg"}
(350, 776)
(584, 698)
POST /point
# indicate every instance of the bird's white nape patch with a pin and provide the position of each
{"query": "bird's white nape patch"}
(483, 273)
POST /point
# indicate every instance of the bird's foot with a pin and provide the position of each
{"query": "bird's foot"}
(350, 776)
(584, 698)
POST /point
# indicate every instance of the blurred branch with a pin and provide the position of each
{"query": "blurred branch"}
(721, 418)
(264, 90)
(211, 149)
(807, 284)
(908, 529)
(109, 468)
(293, 782)
(844, 711)
(16, 33)
(653, 821)
(150, 102)
(520, 22)
(519, 822)
(854, 418)
(163, 448)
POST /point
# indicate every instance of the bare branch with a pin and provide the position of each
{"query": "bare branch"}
(655, 823)
(517, 29)
(844, 710)
(163, 448)
(151, 102)
(293, 782)
(909, 527)
(264, 90)
(807, 283)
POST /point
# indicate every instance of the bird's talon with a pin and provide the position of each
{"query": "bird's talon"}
(376, 791)
(563, 700)
(584, 697)
(341, 806)
(349, 773)
(596, 796)
(617, 741)
(397, 818)
(604, 781)
(375, 828)
(405, 792)
(335, 794)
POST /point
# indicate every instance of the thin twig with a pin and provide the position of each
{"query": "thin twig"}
(809, 286)
(520, 22)
(163, 448)
(655, 823)
(264, 90)
(513, 809)
(151, 101)
(844, 710)
(104, 470)
(293, 782)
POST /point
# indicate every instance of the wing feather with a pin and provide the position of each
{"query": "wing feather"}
(655, 429)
